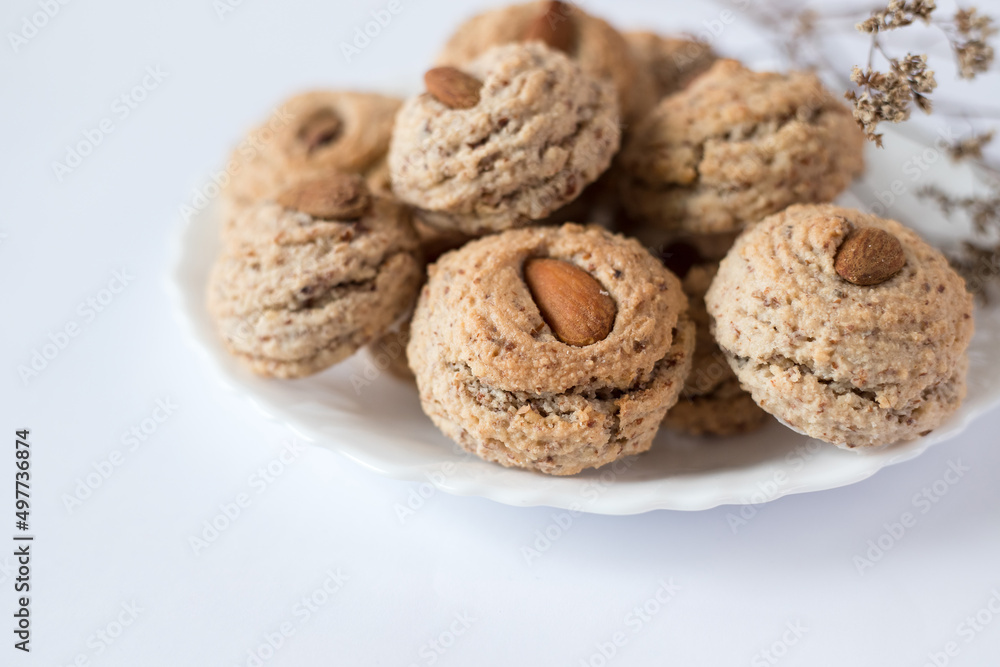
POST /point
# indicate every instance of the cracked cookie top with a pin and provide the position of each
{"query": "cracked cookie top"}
(856, 365)
(541, 132)
(736, 146)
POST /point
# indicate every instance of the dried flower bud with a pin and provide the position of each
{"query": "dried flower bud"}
(897, 14)
(970, 147)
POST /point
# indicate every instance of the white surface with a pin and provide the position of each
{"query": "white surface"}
(792, 560)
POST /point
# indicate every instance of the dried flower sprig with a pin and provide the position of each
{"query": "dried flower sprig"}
(890, 96)
(898, 14)
(968, 36)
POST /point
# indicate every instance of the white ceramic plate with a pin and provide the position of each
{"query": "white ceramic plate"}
(375, 420)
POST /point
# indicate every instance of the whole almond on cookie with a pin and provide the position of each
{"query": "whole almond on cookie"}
(869, 256)
(320, 129)
(554, 26)
(331, 197)
(453, 88)
(574, 305)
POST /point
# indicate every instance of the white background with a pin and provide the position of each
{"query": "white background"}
(739, 586)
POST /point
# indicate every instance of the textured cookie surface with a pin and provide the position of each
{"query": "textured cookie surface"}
(736, 146)
(493, 376)
(600, 50)
(712, 402)
(542, 131)
(313, 132)
(292, 294)
(856, 366)
(672, 62)
(727, 410)
(389, 350)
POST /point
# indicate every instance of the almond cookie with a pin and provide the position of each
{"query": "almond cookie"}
(600, 50)
(736, 146)
(673, 62)
(517, 134)
(553, 348)
(307, 278)
(314, 132)
(847, 327)
(712, 402)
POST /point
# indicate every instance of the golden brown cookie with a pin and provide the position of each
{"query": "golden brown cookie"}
(600, 49)
(736, 146)
(847, 327)
(553, 349)
(535, 134)
(306, 279)
(312, 133)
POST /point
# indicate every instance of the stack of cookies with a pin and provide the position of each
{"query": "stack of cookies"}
(575, 237)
